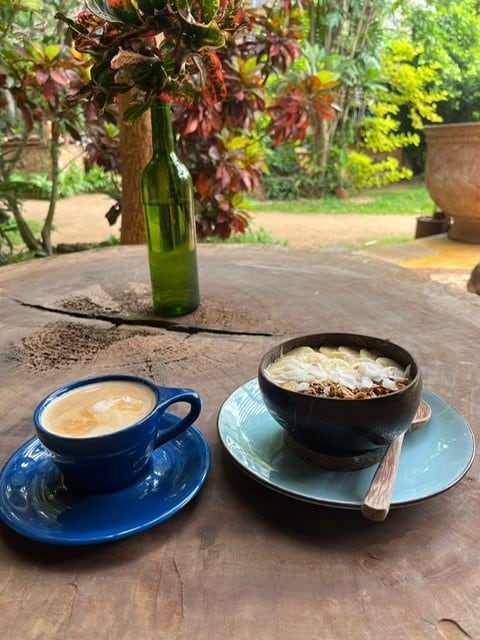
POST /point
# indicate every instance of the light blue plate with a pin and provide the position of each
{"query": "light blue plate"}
(433, 459)
(35, 502)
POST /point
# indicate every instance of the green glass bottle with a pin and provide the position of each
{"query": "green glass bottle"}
(168, 204)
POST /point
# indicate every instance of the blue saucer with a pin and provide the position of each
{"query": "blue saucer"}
(433, 459)
(35, 502)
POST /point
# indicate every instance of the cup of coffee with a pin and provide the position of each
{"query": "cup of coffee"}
(102, 431)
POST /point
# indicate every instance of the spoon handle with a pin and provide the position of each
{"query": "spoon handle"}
(376, 503)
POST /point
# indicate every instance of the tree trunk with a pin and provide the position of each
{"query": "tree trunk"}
(26, 234)
(135, 152)
(55, 162)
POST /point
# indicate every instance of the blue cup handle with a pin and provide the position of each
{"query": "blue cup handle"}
(169, 396)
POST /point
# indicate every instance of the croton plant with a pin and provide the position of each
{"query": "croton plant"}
(212, 58)
(156, 48)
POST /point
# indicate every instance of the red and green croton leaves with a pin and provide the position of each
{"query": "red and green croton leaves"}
(157, 47)
(302, 104)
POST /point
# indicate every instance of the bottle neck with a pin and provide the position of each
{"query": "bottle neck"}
(163, 141)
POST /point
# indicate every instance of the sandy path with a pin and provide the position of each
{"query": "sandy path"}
(77, 219)
(82, 219)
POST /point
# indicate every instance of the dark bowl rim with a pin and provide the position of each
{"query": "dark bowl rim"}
(294, 394)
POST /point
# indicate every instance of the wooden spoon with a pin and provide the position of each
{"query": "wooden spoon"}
(376, 503)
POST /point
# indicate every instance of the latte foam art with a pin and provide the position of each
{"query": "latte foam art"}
(342, 372)
(98, 409)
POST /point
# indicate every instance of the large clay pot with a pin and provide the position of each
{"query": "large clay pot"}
(452, 176)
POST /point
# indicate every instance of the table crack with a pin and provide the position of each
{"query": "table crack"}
(160, 323)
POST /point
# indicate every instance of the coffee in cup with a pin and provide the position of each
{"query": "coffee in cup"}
(98, 409)
(101, 432)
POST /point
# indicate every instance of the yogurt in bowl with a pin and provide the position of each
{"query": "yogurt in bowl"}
(338, 372)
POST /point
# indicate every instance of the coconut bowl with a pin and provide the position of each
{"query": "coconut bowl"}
(341, 426)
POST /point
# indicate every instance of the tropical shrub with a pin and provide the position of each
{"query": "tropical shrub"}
(452, 39)
(37, 75)
(410, 92)
(225, 145)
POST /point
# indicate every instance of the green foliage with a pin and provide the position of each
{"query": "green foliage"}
(284, 173)
(449, 35)
(292, 175)
(72, 181)
(38, 71)
(409, 86)
(10, 239)
(347, 37)
(365, 171)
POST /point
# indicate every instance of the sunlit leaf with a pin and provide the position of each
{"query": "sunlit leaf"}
(249, 66)
(237, 142)
(52, 51)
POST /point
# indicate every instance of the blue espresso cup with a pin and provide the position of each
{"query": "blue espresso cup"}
(118, 451)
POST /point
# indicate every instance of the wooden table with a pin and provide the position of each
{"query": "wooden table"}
(239, 561)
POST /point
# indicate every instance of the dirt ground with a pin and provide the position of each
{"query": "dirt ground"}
(82, 219)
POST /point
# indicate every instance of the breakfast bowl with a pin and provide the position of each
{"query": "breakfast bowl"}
(341, 394)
